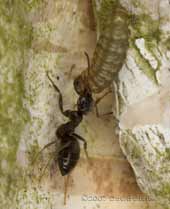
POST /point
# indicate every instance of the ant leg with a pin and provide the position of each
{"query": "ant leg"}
(66, 181)
(71, 70)
(85, 143)
(33, 162)
(60, 101)
(46, 146)
(98, 100)
(117, 110)
(64, 146)
(42, 174)
(52, 156)
(105, 114)
(59, 92)
(66, 113)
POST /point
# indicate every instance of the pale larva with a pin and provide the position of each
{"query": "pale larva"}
(109, 55)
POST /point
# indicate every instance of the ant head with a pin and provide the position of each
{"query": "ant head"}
(79, 85)
(85, 103)
(68, 156)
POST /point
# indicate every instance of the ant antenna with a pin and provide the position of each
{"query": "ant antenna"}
(88, 62)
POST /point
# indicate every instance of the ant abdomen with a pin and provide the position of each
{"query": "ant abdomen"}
(68, 156)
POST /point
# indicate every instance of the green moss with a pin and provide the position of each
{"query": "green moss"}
(135, 150)
(167, 153)
(15, 40)
(35, 198)
(135, 3)
(144, 64)
(32, 152)
(143, 26)
(164, 191)
(146, 27)
(32, 4)
(136, 153)
(167, 43)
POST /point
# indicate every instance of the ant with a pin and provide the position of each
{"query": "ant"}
(69, 150)
(68, 153)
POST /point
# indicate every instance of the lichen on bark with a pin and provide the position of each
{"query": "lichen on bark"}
(15, 40)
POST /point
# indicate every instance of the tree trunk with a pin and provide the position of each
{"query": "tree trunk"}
(43, 36)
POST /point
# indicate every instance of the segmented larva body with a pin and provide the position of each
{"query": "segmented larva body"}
(110, 52)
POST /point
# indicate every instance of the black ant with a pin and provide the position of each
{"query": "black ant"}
(69, 149)
(68, 153)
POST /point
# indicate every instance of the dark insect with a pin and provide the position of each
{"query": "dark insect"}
(69, 146)
(69, 149)
(68, 152)
(109, 54)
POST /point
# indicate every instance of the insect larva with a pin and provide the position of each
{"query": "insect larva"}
(109, 55)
